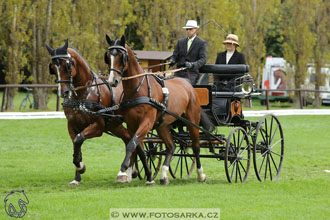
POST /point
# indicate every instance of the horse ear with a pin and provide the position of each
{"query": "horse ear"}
(51, 71)
(106, 59)
(66, 44)
(108, 39)
(122, 41)
(50, 50)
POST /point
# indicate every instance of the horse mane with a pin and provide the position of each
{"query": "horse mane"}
(137, 59)
(75, 50)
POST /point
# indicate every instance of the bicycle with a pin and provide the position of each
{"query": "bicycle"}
(27, 99)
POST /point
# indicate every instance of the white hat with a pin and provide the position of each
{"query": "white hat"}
(191, 24)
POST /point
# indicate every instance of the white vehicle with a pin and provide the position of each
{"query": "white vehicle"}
(310, 82)
(275, 77)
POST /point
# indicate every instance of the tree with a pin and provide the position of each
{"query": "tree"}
(14, 37)
(319, 28)
(298, 38)
(40, 21)
(254, 15)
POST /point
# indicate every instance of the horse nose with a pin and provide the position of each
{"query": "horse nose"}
(114, 83)
(66, 93)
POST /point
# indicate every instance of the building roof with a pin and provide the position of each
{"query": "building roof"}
(153, 55)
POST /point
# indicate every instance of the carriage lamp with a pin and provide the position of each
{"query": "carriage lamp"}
(247, 85)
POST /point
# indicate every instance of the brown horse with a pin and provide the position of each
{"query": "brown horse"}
(141, 92)
(72, 71)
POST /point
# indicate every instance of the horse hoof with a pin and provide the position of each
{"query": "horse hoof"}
(82, 168)
(150, 183)
(202, 178)
(165, 181)
(122, 179)
(135, 173)
(74, 183)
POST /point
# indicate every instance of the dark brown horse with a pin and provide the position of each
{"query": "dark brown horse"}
(72, 71)
(140, 94)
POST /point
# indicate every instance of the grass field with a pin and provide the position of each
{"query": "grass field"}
(36, 156)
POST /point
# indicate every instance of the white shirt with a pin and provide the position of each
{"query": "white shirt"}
(192, 39)
(229, 55)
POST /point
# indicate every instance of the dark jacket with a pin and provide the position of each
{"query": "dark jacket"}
(221, 81)
(196, 53)
(237, 58)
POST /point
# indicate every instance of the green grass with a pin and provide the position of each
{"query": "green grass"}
(36, 155)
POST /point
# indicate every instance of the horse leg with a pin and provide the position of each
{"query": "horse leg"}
(122, 177)
(93, 130)
(194, 117)
(165, 135)
(136, 140)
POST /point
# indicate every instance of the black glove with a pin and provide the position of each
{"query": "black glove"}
(172, 62)
(189, 65)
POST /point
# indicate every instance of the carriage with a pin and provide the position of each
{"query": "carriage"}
(222, 102)
(93, 107)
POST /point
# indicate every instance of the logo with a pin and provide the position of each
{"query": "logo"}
(15, 204)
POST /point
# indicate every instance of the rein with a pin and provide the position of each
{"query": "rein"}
(151, 73)
(88, 86)
(157, 65)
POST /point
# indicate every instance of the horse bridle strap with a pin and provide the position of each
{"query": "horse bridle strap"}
(117, 47)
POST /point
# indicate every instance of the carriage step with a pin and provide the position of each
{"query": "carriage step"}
(202, 143)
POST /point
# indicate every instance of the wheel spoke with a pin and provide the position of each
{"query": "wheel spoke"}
(263, 137)
(240, 153)
(232, 163)
(266, 167)
(242, 166)
(276, 153)
(275, 143)
(271, 128)
(176, 168)
(270, 169)
(236, 175)
(266, 129)
(232, 172)
(262, 164)
(185, 159)
(234, 140)
(153, 164)
(271, 156)
(262, 155)
(274, 134)
(239, 172)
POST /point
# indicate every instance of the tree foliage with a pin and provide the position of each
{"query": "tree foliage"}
(264, 28)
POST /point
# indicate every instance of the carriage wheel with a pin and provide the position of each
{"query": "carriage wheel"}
(154, 161)
(182, 165)
(268, 148)
(237, 156)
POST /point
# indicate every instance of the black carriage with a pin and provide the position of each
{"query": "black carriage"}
(222, 102)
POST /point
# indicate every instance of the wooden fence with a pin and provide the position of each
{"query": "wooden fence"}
(6, 86)
(299, 91)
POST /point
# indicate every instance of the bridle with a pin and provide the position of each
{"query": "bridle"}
(56, 60)
(113, 50)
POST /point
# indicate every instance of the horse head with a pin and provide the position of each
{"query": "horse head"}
(61, 66)
(117, 59)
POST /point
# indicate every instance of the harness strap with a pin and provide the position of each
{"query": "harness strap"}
(165, 93)
(111, 91)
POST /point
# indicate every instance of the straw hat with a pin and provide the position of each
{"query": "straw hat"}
(231, 39)
(191, 24)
